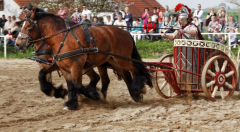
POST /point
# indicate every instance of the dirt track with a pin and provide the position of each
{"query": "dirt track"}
(23, 107)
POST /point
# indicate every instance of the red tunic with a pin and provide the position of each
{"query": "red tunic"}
(149, 26)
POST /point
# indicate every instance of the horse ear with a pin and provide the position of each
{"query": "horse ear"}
(34, 7)
(33, 15)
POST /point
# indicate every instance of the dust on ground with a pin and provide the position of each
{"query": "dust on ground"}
(23, 107)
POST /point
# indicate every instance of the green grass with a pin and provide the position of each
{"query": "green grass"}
(19, 54)
(156, 49)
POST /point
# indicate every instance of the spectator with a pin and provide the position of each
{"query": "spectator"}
(128, 17)
(136, 30)
(231, 24)
(8, 25)
(222, 15)
(146, 15)
(95, 22)
(195, 21)
(46, 9)
(77, 13)
(233, 37)
(199, 14)
(3, 20)
(120, 22)
(209, 16)
(76, 19)
(160, 15)
(85, 21)
(116, 14)
(166, 24)
(212, 25)
(14, 19)
(168, 14)
(123, 13)
(10, 41)
(154, 15)
(62, 12)
(218, 37)
(109, 21)
(87, 12)
(150, 27)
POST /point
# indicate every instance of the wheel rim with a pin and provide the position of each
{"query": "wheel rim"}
(219, 78)
(164, 90)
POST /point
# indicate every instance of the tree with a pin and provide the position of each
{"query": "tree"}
(223, 4)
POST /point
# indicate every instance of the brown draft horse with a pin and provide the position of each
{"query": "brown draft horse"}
(45, 78)
(109, 39)
(42, 51)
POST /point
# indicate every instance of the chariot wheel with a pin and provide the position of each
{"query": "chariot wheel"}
(162, 87)
(219, 78)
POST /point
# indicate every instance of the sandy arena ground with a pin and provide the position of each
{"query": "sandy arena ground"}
(23, 107)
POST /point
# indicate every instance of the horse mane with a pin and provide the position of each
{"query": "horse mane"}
(39, 15)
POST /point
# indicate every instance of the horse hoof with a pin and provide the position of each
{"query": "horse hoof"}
(60, 92)
(66, 108)
(71, 105)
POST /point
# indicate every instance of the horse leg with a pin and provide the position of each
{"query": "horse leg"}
(94, 78)
(72, 103)
(47, 87)
(126, 76)
(139, 79)
(90, 92)
(105, 80)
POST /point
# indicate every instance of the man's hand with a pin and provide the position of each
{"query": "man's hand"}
(181, 31)
(145, 31)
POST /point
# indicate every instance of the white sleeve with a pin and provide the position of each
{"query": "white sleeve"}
(200, 14)
(195, 13)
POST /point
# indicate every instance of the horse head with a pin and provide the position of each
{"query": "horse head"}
(26, 34)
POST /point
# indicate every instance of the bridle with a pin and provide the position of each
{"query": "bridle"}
(25, 36)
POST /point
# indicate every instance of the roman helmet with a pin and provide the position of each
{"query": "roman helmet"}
(185, 12)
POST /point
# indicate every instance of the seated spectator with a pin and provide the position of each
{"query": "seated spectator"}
(14, 19)
(166, 24)
(85, 21)
(87, 12)
(212, 25)
(10, 41)
(209, 16)
(8, 25)
(160, 15)
(109, 21)
(232, 24)
(136, 30)
(120, 22)
(233, 37)
(195, 21)
(150, 27)
(128, 17)
(76, 19)
(218, 37)
(77, 13)
(95, 22)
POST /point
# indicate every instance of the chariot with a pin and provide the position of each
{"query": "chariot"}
(199, 66)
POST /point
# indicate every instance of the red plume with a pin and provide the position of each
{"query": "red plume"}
(178, 7)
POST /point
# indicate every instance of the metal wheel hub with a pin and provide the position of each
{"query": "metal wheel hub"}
(220, 79)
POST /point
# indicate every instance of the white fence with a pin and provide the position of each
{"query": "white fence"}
(157, 34)
(5, 45)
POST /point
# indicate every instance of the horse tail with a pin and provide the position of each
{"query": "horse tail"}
(142, 69)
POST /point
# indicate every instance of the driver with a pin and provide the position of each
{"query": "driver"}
(188, 30)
